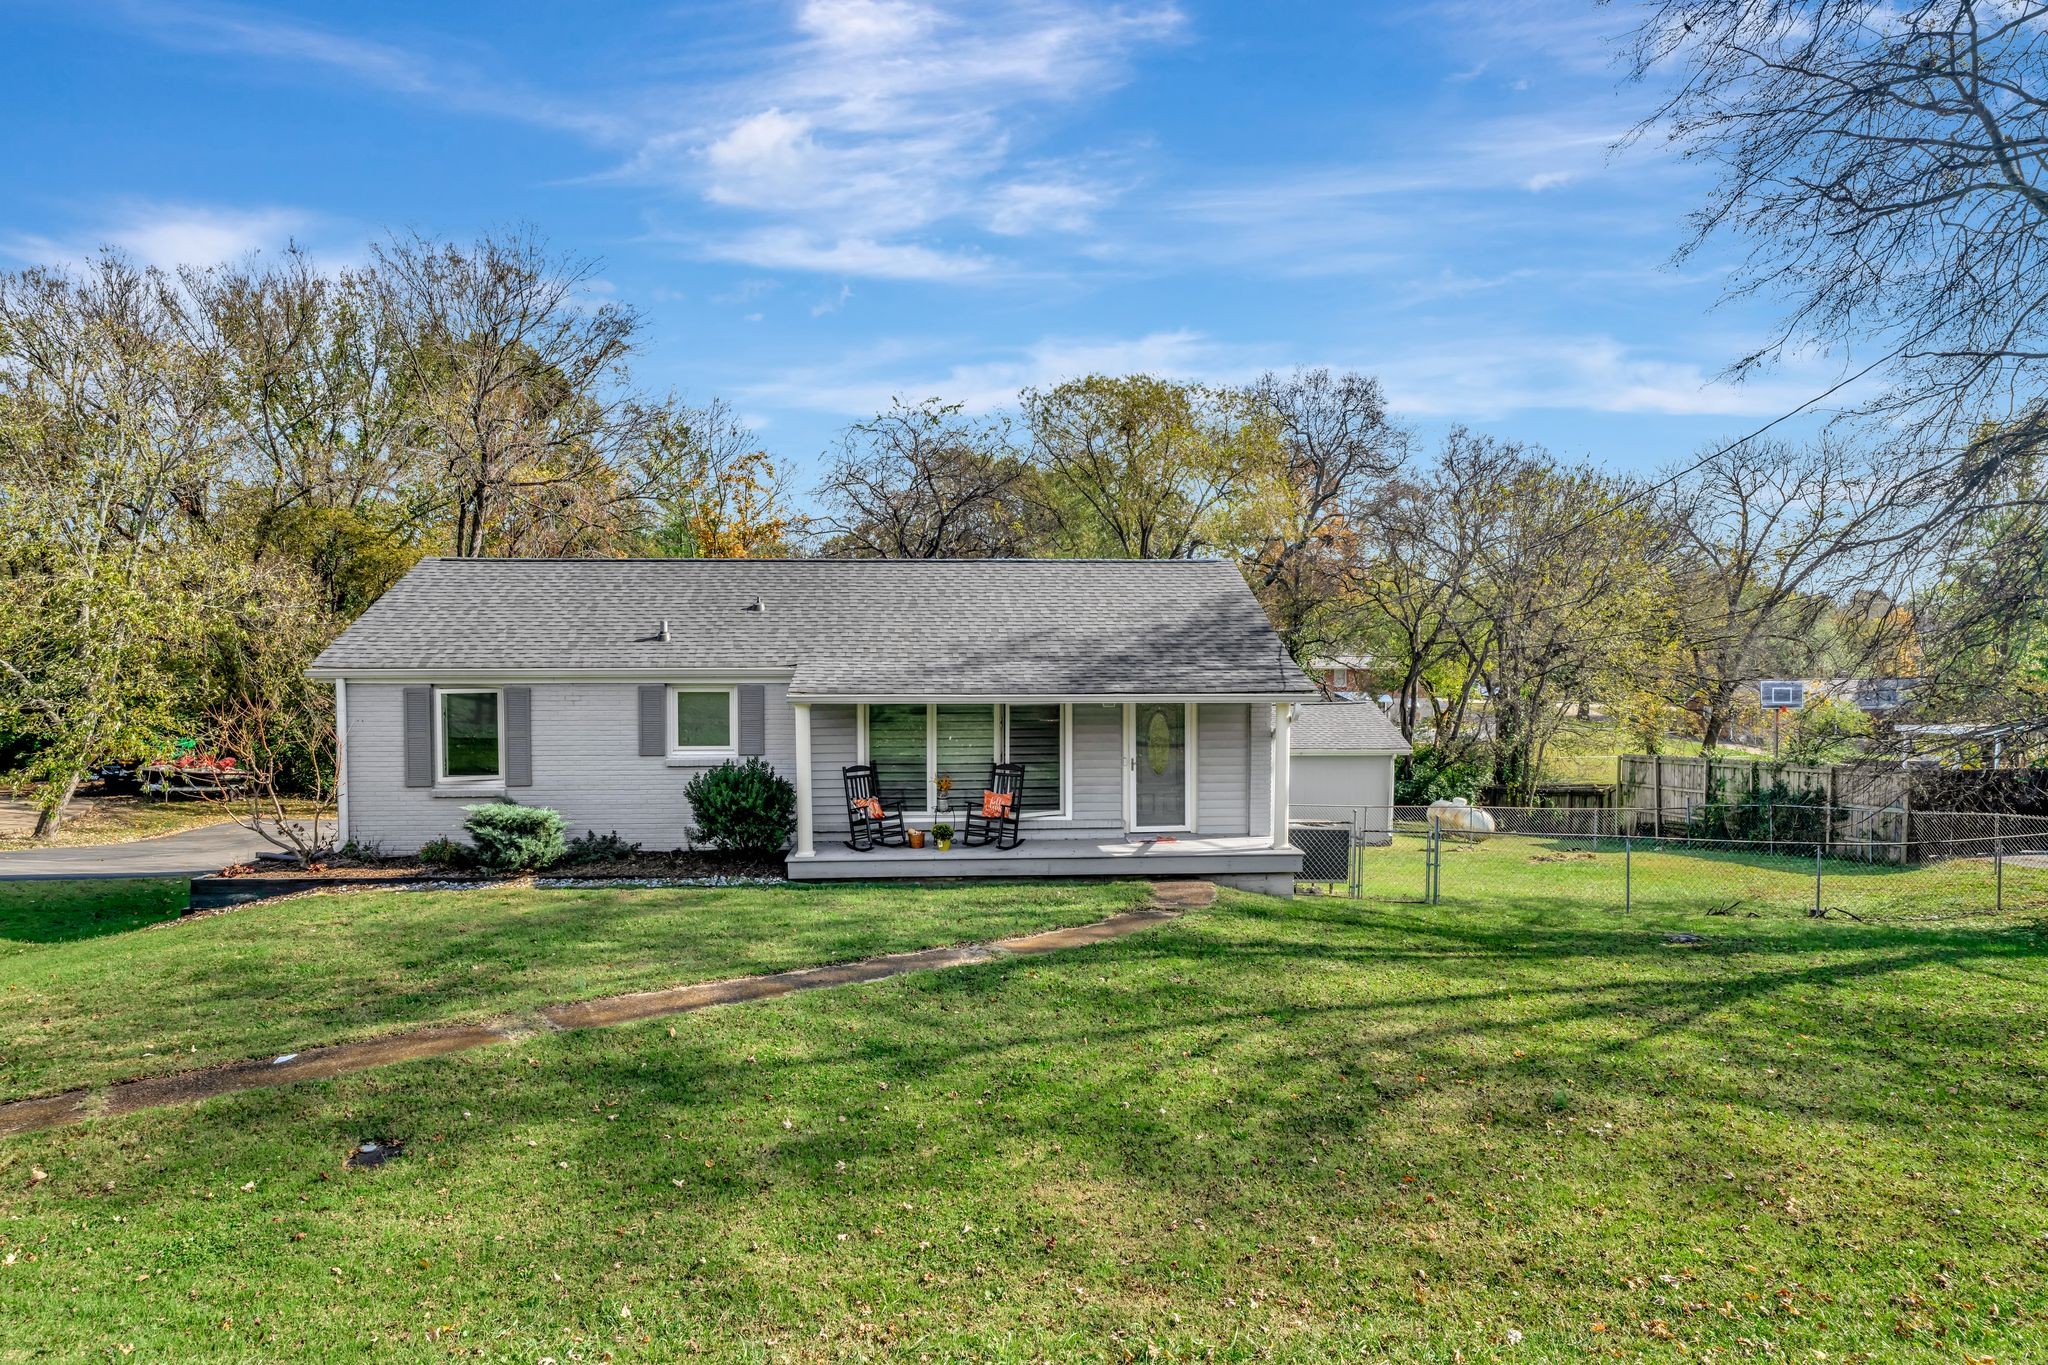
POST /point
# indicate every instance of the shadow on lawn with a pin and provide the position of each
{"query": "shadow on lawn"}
(1425, 1022)
(46, 912)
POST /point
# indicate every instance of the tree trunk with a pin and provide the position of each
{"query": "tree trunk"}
(51, 818)
(1718, 713)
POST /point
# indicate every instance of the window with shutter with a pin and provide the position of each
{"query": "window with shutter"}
(1034, 741)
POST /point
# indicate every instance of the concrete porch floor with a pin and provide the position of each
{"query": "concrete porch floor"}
(1250, 863)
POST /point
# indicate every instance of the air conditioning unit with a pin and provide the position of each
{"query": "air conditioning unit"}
(1789, 695)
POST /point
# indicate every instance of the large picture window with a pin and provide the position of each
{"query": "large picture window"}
(912, 745)
(469, 747)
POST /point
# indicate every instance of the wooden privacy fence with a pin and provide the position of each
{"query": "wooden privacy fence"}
(1863, 807)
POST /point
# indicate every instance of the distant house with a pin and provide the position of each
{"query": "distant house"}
(1342, 675)
(1344, 754)
(1149, 701)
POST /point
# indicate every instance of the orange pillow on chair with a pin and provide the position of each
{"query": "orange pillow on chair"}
(996, 805)
(869, 806)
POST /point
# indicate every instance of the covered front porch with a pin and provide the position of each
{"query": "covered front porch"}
(1240, 860)
(1113, 786)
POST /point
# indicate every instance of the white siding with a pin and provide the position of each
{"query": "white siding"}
(1098, 767)
(835, 745)
(586, 764)
(1319, 784)
(1223, 800)
(1258, 778)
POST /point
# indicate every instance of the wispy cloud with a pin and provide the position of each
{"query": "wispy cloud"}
(1485, 376)
(278, 40)
(880, 123)
(170, 235)
(865, 382)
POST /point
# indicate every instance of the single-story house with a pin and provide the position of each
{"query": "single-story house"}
(1150, 702)
(1344, 754)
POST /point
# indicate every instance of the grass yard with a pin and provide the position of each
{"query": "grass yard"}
(1567, 874)
(33, 913)
(1268, 1131)
(1587, 750)
(320, 969)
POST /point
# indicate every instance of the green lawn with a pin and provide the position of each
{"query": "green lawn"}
(320, 969)
(1268, 1131)
(1586, 751)
(33, 914)
(1565, 874)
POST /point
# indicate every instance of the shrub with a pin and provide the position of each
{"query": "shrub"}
(512, 838)
(1429, 775)
(592, 847)
(742, 808)
(445, 852)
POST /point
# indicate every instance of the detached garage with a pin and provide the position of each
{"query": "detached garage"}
(1343, 755)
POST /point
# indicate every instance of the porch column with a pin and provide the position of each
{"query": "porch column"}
(803, 778)
(1283, 725)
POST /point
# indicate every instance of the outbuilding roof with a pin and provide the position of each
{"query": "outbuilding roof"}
(1345, 727)
(841, 628)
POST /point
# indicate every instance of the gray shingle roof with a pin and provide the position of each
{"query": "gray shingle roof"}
(844, 627)
(1346, 727)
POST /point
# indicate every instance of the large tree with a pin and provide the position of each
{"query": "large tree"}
(1139, 467)
(928, 481)
(518, 378)
(110, 441)
(1767, 538)
(1334, 447)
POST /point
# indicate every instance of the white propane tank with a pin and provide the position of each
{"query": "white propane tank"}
(1459, 817)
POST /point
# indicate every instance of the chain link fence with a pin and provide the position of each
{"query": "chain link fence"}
(1868, 864)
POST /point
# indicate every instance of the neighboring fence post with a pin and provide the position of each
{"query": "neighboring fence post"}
(1817, 911)
(1628, 873)
(1998, 860)
(1431, 862)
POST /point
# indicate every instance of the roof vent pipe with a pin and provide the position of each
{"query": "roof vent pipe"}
(662, 634)
(755, 605)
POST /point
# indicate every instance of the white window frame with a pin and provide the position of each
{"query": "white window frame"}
(696, 753)
(1002, 754)
(442, 778)
(1193, 819)
(1066, 806)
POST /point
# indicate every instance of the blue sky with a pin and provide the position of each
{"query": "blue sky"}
(821, 203)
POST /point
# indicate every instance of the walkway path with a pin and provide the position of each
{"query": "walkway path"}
(321, 1063)
(188, 853)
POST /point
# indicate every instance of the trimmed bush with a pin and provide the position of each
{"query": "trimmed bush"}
(742, 808)
(592, 847)
(514, 838)
(445, 852)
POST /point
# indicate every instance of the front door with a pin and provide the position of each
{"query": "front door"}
(1156, 757)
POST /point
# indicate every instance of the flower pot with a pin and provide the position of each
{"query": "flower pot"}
(945, 845)
(916, 838)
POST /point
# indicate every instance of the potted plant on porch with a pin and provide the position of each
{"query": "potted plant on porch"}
(942, 834)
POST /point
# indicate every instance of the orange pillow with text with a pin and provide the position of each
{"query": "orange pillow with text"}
(996, 805)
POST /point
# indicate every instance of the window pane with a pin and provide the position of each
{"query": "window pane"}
(703, 720)
(1035, 742)
(469, 734)
(896, 746)
(967, 745)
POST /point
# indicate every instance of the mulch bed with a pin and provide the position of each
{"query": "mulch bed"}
(680, 864)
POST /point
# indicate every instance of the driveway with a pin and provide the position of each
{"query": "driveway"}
(188, 853)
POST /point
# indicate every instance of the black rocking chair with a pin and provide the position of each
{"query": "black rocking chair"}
(867, 828)
(1004, 831)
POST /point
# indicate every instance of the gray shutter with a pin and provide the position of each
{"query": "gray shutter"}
(519, 737)
(419, 736)
(753, 720)
(653, 720)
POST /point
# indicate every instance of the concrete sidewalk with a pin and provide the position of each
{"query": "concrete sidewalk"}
(188, 853)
